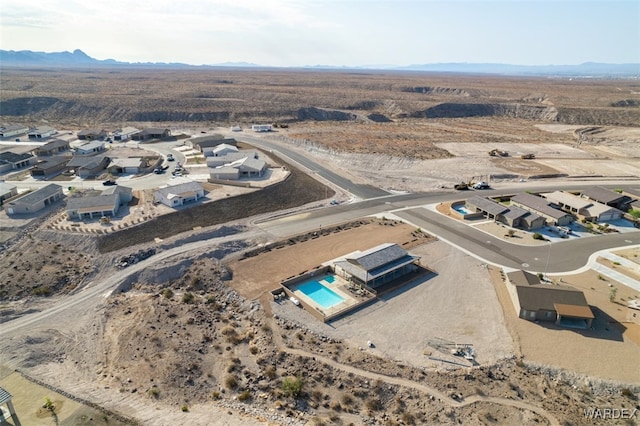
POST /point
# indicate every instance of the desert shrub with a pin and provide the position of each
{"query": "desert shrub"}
(42, 290)
(628, 393)
(253, 350)
(231, 382)
(346, 399)
(185, 408)
(215, 395)
(244, 396)
(408, 419)
(538, 236)
(270, 372)
(188, 297)
(373, 404)
(154, 393)
(292, 386)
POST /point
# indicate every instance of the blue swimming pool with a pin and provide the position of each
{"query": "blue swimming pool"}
(462, 209)
(329, 279)
(320, 294)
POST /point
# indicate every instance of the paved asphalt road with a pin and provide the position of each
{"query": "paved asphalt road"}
(359, 191)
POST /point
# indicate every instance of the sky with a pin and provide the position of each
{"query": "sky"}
(293, 33)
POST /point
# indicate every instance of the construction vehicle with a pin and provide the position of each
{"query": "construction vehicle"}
(528, 156)
(461, 186)
(498, 153)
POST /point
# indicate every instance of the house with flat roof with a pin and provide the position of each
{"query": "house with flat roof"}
(12, 161)
(124, 134)
(607, 196)
(92, 134)
(535, 301)
(12, 130)
(7, 190)
(53, 147)
(181, 192)
(86, 166)
(41, 132)
(36, 200)
(49, 166)
(96, 204)
(542, 207)
(91, 148)
(377, 266)
(151, 133)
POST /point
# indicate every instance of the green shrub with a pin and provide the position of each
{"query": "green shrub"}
(244, 396)
(538, 236)
(292, 386)
(185, 408)
(231, 382)
(188, 297)
(167, 293)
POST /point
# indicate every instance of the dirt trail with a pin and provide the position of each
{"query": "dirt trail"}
(265, 300)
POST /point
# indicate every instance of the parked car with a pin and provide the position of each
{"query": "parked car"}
(170, 157)
(109, 182)
(158, 170)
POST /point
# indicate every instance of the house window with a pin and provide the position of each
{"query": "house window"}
(532, 315)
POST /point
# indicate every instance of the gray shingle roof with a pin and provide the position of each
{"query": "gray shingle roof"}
(38, 195)
(603, 195)
(100, 200)
(90, 162)
(12, 157)
(180, 188)
(56, 143)
(538, 204)
(378, 256)
(487, 205)
(48, 162)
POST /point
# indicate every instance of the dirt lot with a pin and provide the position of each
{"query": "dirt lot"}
(255, 275)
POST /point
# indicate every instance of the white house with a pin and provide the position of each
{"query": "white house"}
(12, 130)
(90, 148)
(42, 132)
(179, 193)
(124, 134)
(223, 149)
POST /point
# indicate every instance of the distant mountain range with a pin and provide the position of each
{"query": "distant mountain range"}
(79, 59)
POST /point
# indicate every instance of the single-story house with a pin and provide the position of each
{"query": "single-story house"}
(210, 151)
(12, 130)
(97, 204)
(607, 196)
(7, 190)
(177, 194)
(151, 133)
(224, 173)
(88, 166)
(92, 134)
(517, 217)
(42, 132)
(262, 127)
(584, 207)
(488, 207)
(222, 150)
(124, 134)
(230, 158)
(542, 207)
(534, 301)
(245, 166)
(49, 166)
(210, 141)
(376, 266)
(12, 161)
(54, 147)
(90, 148)
(36, 200)
(126, 165)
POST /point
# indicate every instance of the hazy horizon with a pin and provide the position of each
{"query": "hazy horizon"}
(356, 33)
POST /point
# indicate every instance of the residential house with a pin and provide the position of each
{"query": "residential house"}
(151, 133)
(12, 161)
(41, 132)
(90, 148)
(35, 201)
(126, 165)
(97, 204)
(584, 208)
(486, 206)
(607, 196)
(124, 134)
(92, 134)
(222, 150)
(53, 147)
(517, 217)
(7, 190)
(88, 166)
(542, 207)
(210, 141)
(377, 266)
(534, 301)
(245, 166)
(179, 193)
(49, 166)
(230, 158)
(12, 130)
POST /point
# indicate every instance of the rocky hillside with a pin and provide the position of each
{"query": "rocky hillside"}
(102, 96)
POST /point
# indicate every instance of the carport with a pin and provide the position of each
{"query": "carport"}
(573, 316)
